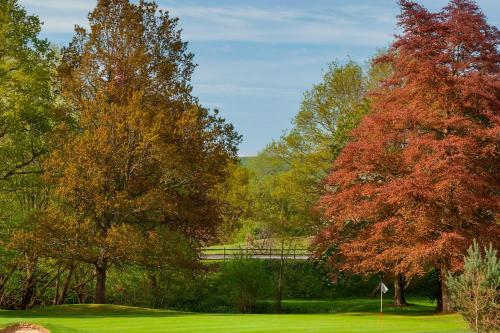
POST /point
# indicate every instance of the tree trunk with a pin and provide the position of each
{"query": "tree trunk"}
(101, 267)
(28, 292)
(56, 292)
(399, 293)
(279, 294)
(443, 297)
(153, 284)
(100, 287)
(29, 285)
(64, 292)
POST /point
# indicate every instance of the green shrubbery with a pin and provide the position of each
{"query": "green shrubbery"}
(244, 282)
(181, 290)
(476, 292)
(244, 285)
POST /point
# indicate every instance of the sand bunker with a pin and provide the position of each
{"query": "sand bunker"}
(24, 328)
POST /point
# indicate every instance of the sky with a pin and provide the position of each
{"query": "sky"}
(257, 57)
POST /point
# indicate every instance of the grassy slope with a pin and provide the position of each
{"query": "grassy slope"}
(111, 319)
(290, 243)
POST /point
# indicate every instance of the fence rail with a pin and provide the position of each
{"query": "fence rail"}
(224, 253)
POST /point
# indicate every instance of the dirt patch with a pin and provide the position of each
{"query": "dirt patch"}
(25, 328)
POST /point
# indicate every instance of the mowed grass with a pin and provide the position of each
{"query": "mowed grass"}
(291, 243)
(110, 319)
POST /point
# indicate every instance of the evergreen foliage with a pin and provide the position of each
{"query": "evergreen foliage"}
(476, 292)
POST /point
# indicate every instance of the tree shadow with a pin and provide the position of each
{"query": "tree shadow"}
(359, 307)
(89, 311)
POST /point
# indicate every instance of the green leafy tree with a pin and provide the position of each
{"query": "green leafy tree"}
(276, 212)
(304, 155)
(289, 173)
(235, 202)
(26, 117)
(476, 292)
(245, 282)
(26, 65)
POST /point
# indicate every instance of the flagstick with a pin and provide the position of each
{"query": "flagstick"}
(381, 309)
(380, 296)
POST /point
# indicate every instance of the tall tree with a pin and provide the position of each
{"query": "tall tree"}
(27, 64)
(302, 157)
(288, 174)
(276, 211)
(140, 153)
(420, 179)
(235, 199)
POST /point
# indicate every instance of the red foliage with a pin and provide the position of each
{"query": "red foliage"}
(420, 179)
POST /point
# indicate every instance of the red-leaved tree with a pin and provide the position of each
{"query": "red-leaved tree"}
(419, 179)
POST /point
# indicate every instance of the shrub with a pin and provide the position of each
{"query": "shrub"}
(476, 292)
(245, 281)
(302, 280)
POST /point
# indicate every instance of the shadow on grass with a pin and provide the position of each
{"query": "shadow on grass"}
(358, 307)
(351, 306)
(90, 311)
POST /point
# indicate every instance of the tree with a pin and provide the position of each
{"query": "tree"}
(476, 292)
(275, 210)
(418, 181)
(27, 64)
(288, 173)
(235, 201)
(301, 158)
(244, 280)
(304, 155)
(139, 153)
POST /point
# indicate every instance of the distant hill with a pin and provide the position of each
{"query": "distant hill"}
(246, 160)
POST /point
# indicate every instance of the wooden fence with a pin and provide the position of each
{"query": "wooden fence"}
(224, 253)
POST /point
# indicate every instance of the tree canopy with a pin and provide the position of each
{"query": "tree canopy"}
(27, 117)
(292, 168)
(419, 179)
(138, 154)
(26, 65)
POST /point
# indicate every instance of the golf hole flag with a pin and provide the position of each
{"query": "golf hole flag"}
(383, 290)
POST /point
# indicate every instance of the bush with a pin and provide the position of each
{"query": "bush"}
(182, 290)
(245, 282)
(476, 292)
(240, 286)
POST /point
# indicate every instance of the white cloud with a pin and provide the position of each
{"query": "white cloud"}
(238, 89)
(251, 24)
(345, 24)
(67, 5)
(60, 17)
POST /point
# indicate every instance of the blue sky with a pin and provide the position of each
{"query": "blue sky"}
(256, 57)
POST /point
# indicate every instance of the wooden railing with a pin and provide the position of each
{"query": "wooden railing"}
(224, 253)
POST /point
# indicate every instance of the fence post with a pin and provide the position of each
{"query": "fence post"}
(224, 256)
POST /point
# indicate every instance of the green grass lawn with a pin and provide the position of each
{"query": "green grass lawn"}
(302, 243)
(110, 319)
